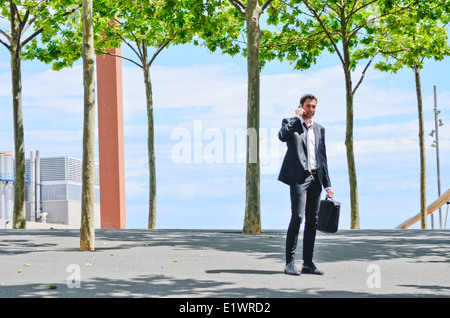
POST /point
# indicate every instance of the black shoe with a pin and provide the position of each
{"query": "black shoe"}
(311, 269)
(290, 269)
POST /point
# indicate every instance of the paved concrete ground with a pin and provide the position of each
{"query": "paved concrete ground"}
(213, 263)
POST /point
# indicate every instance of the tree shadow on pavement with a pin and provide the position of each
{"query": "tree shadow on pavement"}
(153, 286)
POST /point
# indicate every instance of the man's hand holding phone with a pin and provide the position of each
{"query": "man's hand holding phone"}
(300, 111)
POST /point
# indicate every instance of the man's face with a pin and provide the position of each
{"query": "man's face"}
(310, 107)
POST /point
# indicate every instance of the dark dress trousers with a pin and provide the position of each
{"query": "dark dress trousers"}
(305, 188)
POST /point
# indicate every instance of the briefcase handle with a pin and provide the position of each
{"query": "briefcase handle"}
(332, 200)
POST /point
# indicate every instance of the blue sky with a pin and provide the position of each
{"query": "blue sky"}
(202, 96)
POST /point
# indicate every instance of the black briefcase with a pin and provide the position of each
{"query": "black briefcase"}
(328, 221)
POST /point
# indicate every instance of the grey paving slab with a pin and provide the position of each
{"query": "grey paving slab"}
(221, 263)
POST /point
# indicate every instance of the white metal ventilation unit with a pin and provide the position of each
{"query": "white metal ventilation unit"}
(53, 169)
(64, 169)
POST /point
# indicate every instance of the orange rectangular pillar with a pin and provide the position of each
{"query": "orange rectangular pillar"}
(111, 143)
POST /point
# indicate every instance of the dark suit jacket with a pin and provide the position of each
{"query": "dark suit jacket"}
(293, 168)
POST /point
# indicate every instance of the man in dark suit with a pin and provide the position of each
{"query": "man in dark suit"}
(305, 170)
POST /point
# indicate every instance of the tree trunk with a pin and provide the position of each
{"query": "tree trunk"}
(19, 144)
(87, 231)
(423, 198)
(252, 221)
(151, 146)
(354, 201)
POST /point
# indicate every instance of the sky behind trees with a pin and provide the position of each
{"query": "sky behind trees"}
(200, 101)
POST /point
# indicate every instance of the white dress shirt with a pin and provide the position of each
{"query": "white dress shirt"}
(311, 163)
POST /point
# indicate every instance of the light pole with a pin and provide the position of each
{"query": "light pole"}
(437, 124)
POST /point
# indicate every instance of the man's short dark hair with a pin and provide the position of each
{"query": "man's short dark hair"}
(305, 97)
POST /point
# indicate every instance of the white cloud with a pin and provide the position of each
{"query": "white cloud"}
(214, 86)
(66, 82)
(281, 94)
(136, 190)
(213, 184)
(5, 84)
(216, 94)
